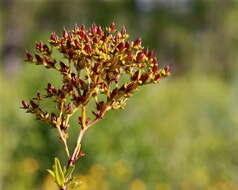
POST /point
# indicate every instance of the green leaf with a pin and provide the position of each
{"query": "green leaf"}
(51, 173)
(59, 174)
(69, 172)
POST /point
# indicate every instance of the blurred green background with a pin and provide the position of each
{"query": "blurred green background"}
(179, 135)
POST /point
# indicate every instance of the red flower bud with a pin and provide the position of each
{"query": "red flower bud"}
(70, 36)
(88, 48)
(166, 69)
(127, 45)
(93, 29)
(112, 27)
(87, 39)
(25, 105)
(76, 28)
(33, 104)
(80, 120)
(140, 56)
(63, 67)
(144, 77)
(154, 61)
(54, 37)
(39, 46)
(81, 154)
(158, 76)
(150, 54)
(121, 46)
(99, 31)
(155, 68)
(116, 38)
(28, 56)
(123, 31)
(129, 56)
(53, 117)
(83, 27)
(81, 33)
(95, 40)
(146, 52)
(69, 108)
(50, 62)
(39, 59)
(135, 76)
(38, 96)
(137, 42)
(104, 38)
(65, 33)
(77, 43)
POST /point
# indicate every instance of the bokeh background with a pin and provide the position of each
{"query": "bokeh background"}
(179, 135)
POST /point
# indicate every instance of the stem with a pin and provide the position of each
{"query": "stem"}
(62, 136)
(84, 128)
(77, 148)
(63, 139)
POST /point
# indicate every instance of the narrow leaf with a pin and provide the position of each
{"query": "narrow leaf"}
(59, 175)
(51, 173)
(69, 172)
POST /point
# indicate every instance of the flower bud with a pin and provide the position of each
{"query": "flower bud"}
(39, 59)
(50, 62)
(121, 46)
(95, 40)
(123, 31)
(76, 28)
(33, 104)
(65, 33)
(83, 27)
(87, 39)
(144, 77)
(140, 56)
(116, 38)
(29, 56)
(81, 33)
(99, 31)
(54, 38)
(104, 38)
(146, 52)
(93, 29)
(127, 45)
(137, 42)
(69, 108)
(155, 67)
(112, 27)
(166, 69)
(150, 54)
(158, 76)
(77, 43)
(88, 48)
(25, 105)
(39, 46)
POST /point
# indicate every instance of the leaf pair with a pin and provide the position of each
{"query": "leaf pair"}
(60, 175)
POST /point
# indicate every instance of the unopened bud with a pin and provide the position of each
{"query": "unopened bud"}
(25, 105)
(137, 42)
(29, 56)
(140, 56)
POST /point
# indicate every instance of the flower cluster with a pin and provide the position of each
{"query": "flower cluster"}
(99, 63)
(100, 66)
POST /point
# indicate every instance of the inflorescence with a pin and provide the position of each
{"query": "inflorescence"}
(100, 66)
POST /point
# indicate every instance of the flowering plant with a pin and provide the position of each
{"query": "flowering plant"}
(98, 66)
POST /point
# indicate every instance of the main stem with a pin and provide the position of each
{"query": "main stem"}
(84, 127)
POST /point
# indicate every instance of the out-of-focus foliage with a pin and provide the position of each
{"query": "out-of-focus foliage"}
(181, 134)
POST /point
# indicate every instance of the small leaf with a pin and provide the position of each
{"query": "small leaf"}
(51, 173)
(69, 172)
(59, 175)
